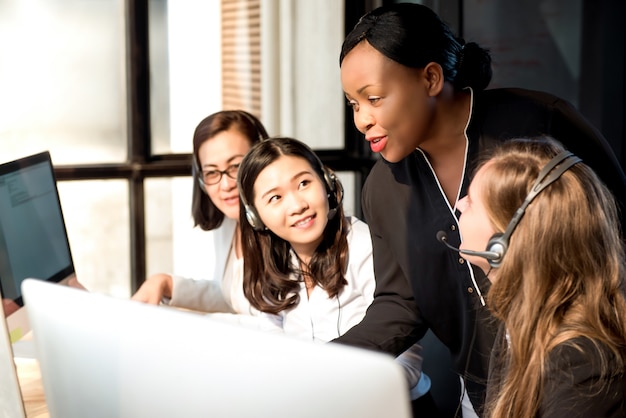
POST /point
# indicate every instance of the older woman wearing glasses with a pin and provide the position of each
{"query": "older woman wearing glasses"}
(219, 144)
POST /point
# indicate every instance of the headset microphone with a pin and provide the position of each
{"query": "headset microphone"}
(499, 243)
(489, 255)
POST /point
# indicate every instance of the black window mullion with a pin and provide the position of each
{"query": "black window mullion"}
(138, 91)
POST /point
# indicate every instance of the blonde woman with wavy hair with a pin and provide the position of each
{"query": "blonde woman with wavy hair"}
(558, 287)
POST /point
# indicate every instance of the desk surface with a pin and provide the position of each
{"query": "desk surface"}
(32, 388)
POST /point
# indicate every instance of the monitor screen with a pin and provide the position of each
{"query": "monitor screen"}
(33, 238)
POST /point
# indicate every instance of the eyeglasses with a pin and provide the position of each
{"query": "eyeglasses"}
(212, 177)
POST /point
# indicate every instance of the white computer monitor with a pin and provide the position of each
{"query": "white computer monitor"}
(105, 357)
(33, 237)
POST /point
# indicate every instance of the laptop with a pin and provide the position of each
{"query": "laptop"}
(33, 237)
(102, 356)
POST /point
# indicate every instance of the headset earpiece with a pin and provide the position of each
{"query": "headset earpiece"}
(497, 244)
(253, 219)
(196, 173)
(335, 191)
(251, 216)
(330, 179)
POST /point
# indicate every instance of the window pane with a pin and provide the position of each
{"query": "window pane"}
(185, 70)
(159, 76)
(319, 103)
(534, 45)
(159, 222)
(62, 80)
(173, 244)
(348, 181)
(96, 215)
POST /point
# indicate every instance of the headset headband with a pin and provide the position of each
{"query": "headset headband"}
(548, 175)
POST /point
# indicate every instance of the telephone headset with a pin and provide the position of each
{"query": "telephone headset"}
(260, 132)
(498, 244)
(333, 187)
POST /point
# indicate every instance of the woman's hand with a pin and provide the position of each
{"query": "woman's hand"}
(154, 289)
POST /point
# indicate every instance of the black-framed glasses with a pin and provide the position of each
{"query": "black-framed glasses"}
(212, 177)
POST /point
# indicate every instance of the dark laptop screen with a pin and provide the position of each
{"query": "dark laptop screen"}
(33, 238)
